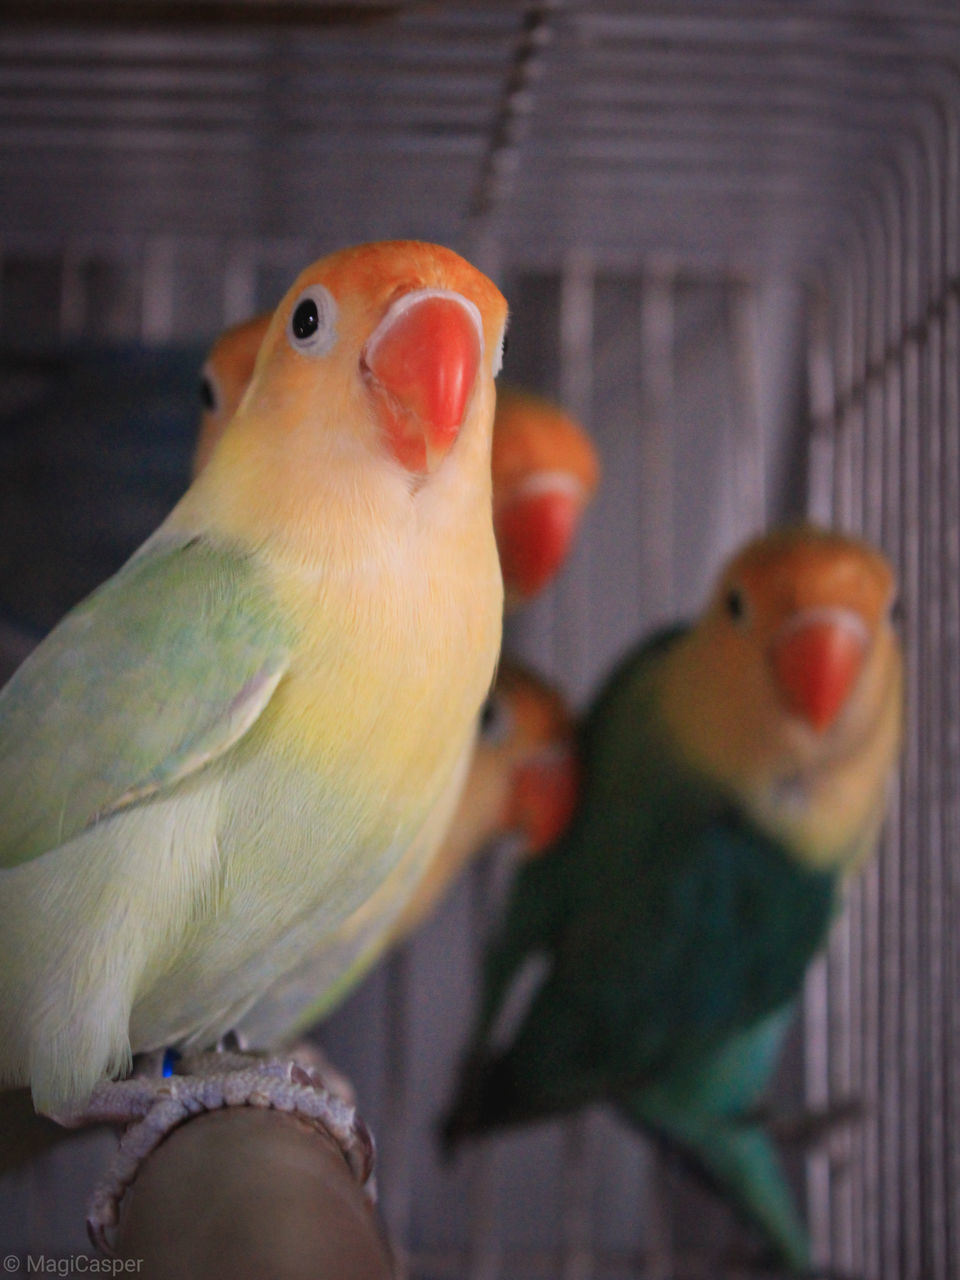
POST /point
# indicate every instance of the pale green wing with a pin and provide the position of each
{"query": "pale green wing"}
(158, 672)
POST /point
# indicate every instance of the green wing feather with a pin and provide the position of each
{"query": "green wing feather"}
(545, 897)
(156, 673)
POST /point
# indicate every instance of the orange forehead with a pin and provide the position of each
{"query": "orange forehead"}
(531, 434)
(807, 567)
(379, 270)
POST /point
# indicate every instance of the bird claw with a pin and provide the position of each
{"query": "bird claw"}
(151, 1107)
(810, 1128)
(320, 1071)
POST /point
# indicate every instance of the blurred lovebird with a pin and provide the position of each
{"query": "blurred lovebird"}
(734, 778)
(224, 378)
(231, 744)
(522, 783)
(545, 468)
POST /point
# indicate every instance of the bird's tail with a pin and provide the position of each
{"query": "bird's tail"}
(482, 1097)
(493, 1094)
(738, 1159)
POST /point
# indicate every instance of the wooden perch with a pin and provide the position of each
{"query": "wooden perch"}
(244, 1193)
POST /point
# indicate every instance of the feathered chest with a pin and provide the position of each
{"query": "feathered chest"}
(391, 665)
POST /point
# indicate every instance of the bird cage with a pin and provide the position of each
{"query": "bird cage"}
(729, 232)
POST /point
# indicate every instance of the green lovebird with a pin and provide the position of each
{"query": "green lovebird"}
(734, 777)
(229, 746)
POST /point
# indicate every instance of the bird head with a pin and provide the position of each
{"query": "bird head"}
(790, 683)
(526, 738)
(545, 473)
(383, 354)
(816, 606)
(223, 381)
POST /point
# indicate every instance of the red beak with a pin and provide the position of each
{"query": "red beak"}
(421, 363)
(544, 796)
(816, 659)
(535, 528)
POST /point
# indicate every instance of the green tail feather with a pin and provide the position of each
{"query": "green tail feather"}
(738, 1159)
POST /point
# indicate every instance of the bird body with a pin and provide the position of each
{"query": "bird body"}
(517, 778)
(244, 730)
(724, 802)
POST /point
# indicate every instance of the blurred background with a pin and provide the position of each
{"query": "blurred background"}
(728, 231)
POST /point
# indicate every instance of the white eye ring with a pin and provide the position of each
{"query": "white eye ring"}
(498, 357)
(312, 327)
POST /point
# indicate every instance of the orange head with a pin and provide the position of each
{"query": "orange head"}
(794, 660)
(527, 730)
(224, 379)
(813, 601)
(420, 363)
(787, 691)
(373, 365)
(545, 472)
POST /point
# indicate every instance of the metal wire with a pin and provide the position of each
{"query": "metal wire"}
(889, 1007)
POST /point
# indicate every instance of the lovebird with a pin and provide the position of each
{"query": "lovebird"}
(231, 743)
(544, 465)
(734, 778)
(521, 783)
(544, 473)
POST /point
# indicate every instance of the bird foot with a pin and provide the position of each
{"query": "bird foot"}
(313, 1059)
(809, 1128)
(151, 1107)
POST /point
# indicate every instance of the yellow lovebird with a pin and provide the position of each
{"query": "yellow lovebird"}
(521, 779)
(231, 744)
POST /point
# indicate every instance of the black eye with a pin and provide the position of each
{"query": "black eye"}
(208, 397)
(313, 322)
(495, 719)
(735, 604)
(306, 319)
